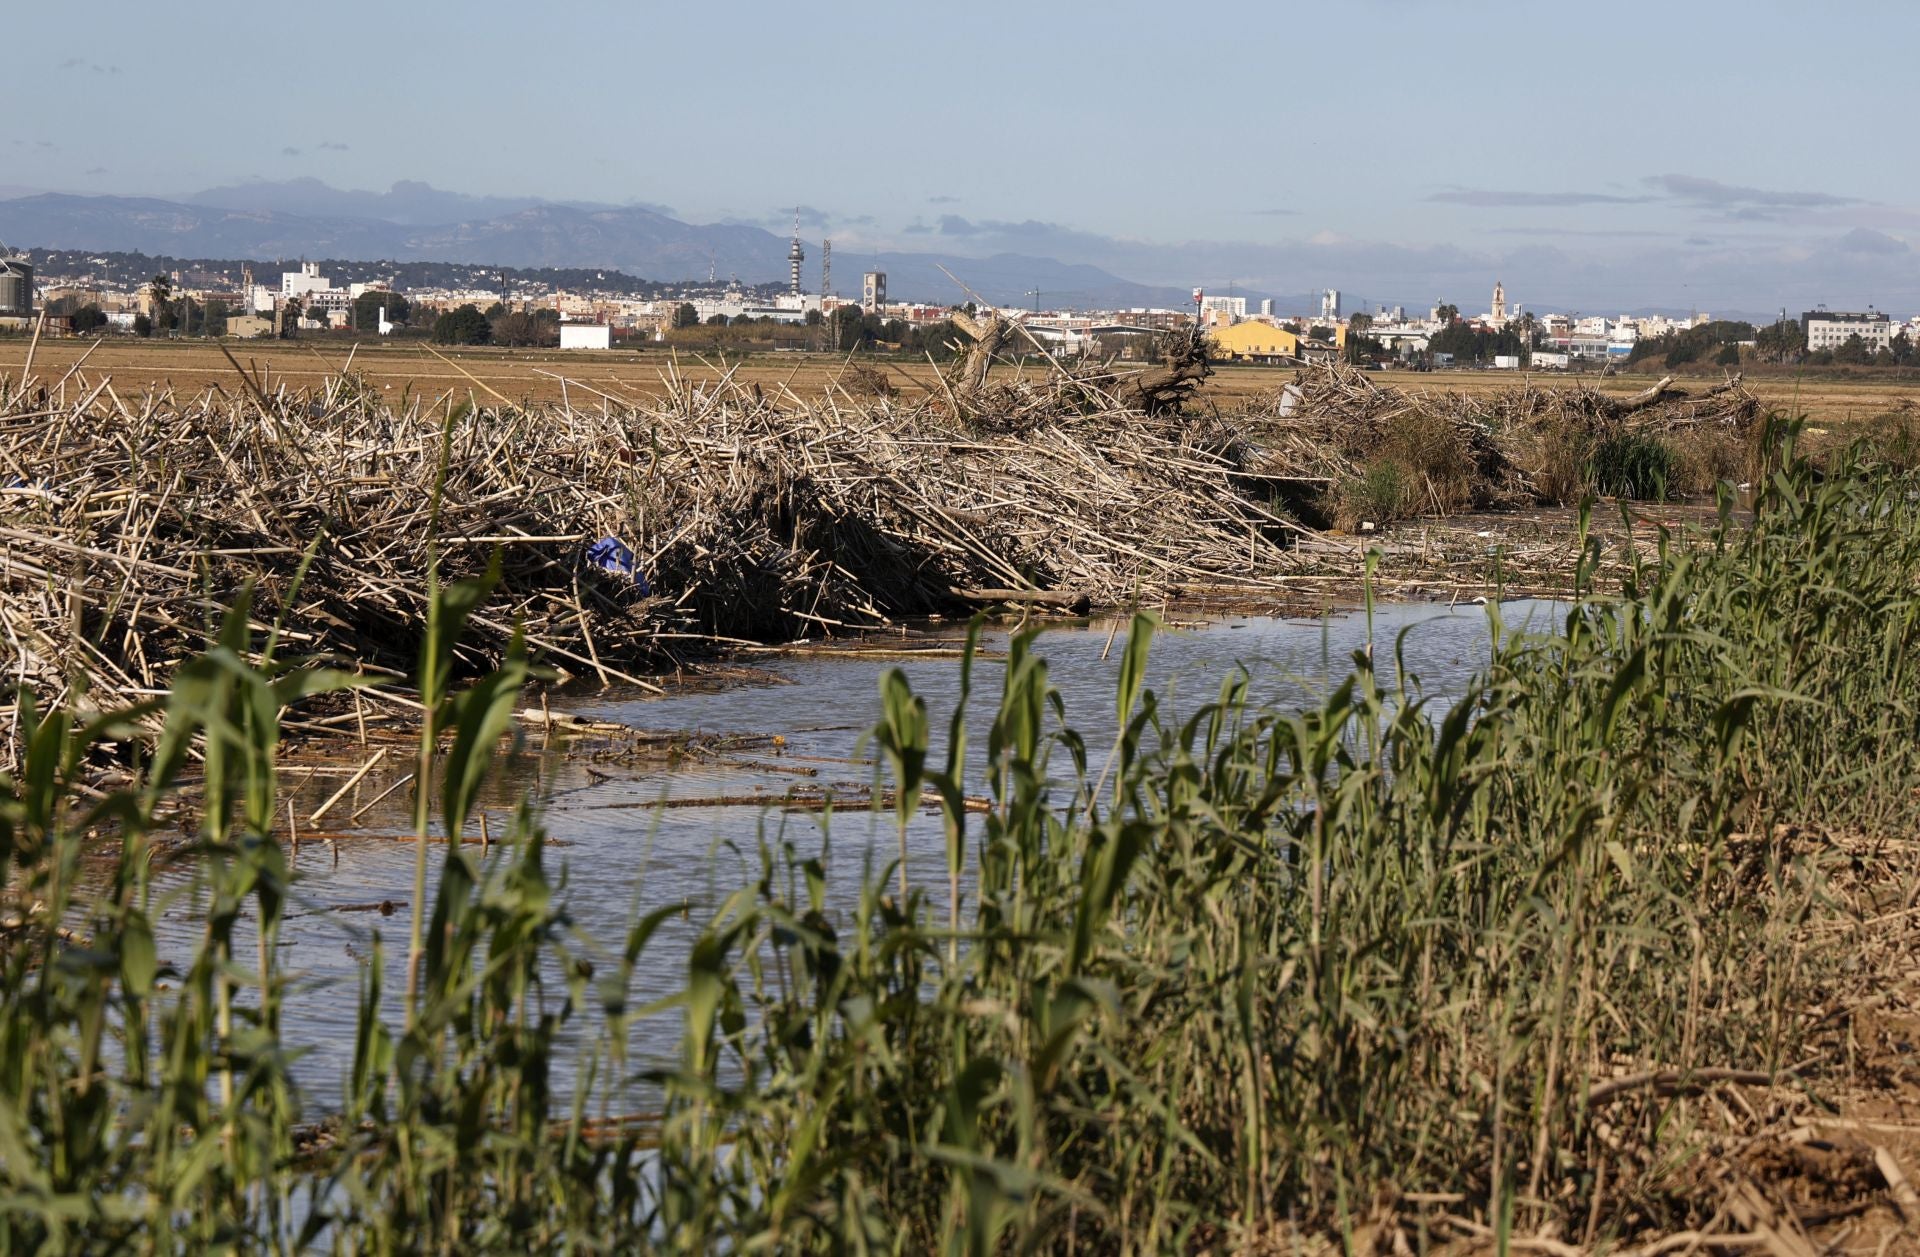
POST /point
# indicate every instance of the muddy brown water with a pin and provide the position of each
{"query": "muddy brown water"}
(617, 855)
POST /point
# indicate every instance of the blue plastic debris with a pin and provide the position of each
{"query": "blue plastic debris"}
(610, 554)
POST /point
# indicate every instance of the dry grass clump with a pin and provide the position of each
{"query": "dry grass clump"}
(1661, 443)
(1384, 453)
(861, 380)
(1420, 463)
(1895, 435)
(1706, 457)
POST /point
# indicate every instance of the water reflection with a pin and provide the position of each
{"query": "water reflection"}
(620, 857)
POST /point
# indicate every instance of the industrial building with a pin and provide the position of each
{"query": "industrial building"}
(873, 291)
(1255, 342)
(248, 326)
(16, 286)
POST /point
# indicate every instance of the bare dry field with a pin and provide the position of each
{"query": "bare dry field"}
(549, 375)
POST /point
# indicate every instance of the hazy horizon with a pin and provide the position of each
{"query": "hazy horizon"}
(1717, 158)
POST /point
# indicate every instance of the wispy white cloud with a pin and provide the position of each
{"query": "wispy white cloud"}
(1736, 198)
(1487, 198)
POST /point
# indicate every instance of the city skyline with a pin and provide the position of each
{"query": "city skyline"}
(1401, 151)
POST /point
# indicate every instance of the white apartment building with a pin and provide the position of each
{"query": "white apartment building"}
(307, 279)
(1829, 329)
(1234, 308)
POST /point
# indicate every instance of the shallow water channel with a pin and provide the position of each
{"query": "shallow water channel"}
(618, 855)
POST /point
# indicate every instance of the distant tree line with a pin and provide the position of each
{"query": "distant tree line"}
(497, 325)
(849, 329)
(1717, 342)
(1468, 343)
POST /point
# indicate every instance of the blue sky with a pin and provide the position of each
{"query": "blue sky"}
(1711, 155)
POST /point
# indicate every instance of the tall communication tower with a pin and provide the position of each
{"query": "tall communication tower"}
(796, 255)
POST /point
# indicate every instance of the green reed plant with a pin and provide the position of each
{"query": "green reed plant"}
(1255, 970)
(1632, 465)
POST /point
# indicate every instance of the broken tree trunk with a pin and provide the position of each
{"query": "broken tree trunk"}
(1663, 391)
(989, 335)
(1163, 389)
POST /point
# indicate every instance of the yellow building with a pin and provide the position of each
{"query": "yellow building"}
(248, 325)
(1254, 342)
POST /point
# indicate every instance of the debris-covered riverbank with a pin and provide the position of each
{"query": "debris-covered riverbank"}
(638, 536)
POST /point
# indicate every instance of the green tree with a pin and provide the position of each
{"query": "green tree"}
(524, 329)
(1781, 342)
(939, 339)
(1359, 323)
(464, 325)
(160, 297)
(87, 318)
(1650, 347)
(367, 307)
(1469, 344)
(685, 315)
(814, 318)
(1361, 348)
(142, 325)
(213, 321)
(1446, 313)
(851, 327)
(1852, 351)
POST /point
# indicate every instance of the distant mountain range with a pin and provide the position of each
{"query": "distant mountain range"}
(416, 222)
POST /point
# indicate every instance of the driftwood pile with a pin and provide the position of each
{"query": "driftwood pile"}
(127, 526)
(1499, 448)
(641, 532)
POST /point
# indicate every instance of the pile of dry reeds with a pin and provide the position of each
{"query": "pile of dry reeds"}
(1335, 427)
(127, 526)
